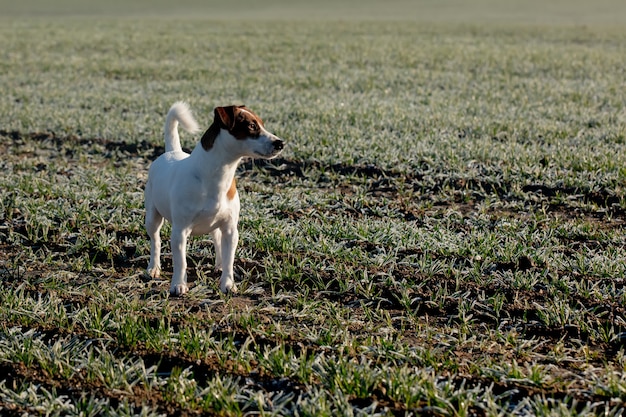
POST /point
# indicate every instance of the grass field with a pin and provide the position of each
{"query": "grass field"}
(444, 234)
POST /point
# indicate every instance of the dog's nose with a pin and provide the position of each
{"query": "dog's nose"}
(279, 144)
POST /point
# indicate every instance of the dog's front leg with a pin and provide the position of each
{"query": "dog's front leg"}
(230, 238)
(217, 244)
(179, 258)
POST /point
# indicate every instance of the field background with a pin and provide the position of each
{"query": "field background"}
(443, 235)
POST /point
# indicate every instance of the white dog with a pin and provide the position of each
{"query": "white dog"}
(196, 192)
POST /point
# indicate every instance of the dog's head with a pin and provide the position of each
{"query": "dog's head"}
(246, 132)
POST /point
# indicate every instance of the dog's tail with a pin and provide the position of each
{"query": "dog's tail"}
(178, 113)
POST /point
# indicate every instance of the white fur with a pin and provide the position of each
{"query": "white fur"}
(190, 191)
(179, 113)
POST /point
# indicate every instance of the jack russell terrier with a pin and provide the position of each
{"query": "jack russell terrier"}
(197, 193)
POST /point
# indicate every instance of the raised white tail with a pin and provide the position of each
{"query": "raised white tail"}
(178, 113)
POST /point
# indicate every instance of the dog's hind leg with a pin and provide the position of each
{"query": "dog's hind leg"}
(154, 221)
(179, 258)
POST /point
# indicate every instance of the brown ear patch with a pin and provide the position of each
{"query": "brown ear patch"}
(230, 194)
(238, 120)
(246, 125)
(223, 117)
(226, 116)
(209, 136)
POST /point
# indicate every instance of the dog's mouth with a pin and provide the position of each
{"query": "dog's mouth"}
(270, 155)
(277, 147)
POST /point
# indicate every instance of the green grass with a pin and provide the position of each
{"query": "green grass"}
(443, 235)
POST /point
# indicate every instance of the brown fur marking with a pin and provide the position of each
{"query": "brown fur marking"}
(238, 120)
(246, 124)
(226, 116)
(230, 194)
(209, 136)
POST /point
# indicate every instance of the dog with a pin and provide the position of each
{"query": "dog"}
(197, 192)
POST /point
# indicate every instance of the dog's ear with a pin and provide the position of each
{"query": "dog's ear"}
(226, 116)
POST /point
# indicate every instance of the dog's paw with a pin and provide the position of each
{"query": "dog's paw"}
(178, 290)
(228, 286)
(153, 272)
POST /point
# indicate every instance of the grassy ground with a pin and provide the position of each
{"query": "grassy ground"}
(444, 234)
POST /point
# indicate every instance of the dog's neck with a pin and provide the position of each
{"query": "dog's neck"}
(215, 167)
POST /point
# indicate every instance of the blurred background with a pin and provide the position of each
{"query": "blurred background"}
(487, 11)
